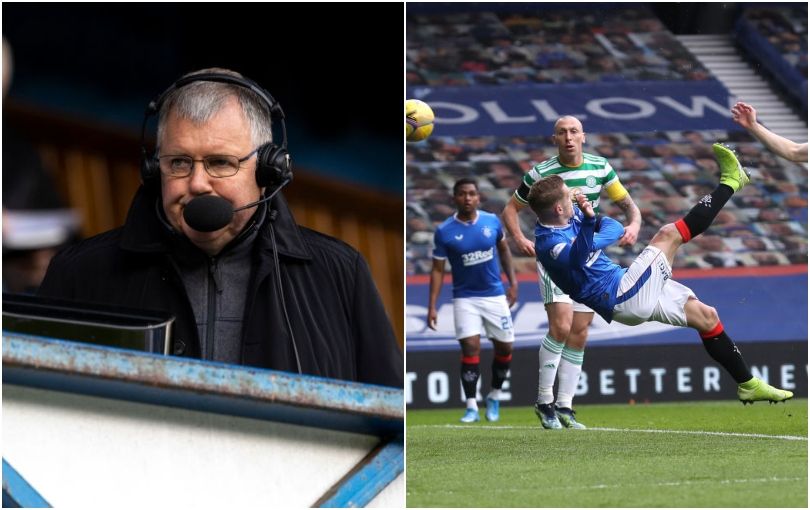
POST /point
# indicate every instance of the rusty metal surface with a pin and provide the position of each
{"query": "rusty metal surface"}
(246, 391)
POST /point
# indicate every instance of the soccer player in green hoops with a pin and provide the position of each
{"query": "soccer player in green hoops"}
(563, 348)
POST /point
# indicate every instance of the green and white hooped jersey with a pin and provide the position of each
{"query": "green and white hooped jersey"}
(590, 177)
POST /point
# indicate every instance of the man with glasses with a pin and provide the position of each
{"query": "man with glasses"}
(313, 308)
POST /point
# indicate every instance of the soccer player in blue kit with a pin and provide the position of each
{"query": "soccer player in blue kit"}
(468, 239)
(569, 244)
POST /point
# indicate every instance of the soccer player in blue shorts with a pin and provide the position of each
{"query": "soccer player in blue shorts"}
(468, 240)
(569, 243)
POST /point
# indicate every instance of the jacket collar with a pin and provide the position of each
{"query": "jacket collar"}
(144, 232)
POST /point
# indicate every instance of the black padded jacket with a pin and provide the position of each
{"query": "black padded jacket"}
(340, 326)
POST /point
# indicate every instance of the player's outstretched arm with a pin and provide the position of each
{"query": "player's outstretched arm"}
(746, 116)
(608, 231)
(621, 197)
(633, 214)
(512, 223)
(582, 246)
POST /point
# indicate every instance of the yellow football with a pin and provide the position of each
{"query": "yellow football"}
(418, 120)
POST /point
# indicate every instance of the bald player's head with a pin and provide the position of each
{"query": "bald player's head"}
(569, 136)
(566, 120)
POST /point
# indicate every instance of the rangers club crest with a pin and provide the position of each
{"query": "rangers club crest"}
(486, 231)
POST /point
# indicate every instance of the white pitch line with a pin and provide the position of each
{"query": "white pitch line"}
(678, 483)
(704, 433)
(604, 429)
(634, 485)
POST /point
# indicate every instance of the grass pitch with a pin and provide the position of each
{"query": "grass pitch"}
(696, 454)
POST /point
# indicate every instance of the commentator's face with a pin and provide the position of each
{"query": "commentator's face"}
(226, 133)
(569, 137)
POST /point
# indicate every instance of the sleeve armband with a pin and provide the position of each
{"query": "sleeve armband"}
(616, 191)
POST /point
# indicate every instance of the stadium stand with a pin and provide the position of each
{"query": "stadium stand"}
(485, 48)
(777, 37)
(665, 171)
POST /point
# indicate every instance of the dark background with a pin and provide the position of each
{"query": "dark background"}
(324, 63)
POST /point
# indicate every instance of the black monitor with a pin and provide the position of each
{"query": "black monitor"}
(142, 330)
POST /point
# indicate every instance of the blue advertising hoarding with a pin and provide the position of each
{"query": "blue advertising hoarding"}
(765, 314)
(522, 110)
(752, 308)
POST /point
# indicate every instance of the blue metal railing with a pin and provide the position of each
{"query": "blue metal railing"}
(64, 366)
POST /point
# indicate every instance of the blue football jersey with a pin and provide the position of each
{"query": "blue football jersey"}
(472, 251)
(572, 255)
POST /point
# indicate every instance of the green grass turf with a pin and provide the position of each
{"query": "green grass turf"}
(516, 463)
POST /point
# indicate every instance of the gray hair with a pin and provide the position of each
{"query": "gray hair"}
(200, 100)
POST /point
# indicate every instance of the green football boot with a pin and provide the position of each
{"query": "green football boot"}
(758, 390)
(732, 174)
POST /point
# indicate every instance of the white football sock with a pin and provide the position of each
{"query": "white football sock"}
(570, 368)
(550, 352)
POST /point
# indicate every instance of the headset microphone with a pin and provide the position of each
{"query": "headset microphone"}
(208, 213)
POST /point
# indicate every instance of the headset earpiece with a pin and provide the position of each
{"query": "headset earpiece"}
(150, 169)
(273, 165)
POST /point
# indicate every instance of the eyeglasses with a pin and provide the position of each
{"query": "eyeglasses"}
(215, 166)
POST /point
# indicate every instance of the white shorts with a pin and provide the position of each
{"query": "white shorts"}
(491, 312)
(550, 293)
(647, 292)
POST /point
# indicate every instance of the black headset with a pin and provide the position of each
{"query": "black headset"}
(273, 165)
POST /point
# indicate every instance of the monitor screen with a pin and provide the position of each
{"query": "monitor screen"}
(143, 330)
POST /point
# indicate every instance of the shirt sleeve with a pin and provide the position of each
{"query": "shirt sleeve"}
(553, 251)
(609, 232)
(615, 190)
(522, 193)
(583, 245)
(438, 246)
